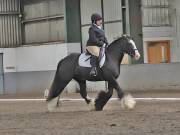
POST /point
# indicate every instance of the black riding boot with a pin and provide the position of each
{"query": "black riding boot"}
(94, 61)
(93, 71)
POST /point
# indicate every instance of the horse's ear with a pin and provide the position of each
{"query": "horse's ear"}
(125, 35)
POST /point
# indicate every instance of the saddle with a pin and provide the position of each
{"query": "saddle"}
(84, 60)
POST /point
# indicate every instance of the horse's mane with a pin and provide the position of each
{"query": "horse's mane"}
(115, 42)
(119, 38)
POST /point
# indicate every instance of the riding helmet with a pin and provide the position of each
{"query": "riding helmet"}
(95, 17)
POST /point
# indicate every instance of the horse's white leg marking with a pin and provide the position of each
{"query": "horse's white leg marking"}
(92, 105)
(128, 102)
(46, 93)
(52, 104)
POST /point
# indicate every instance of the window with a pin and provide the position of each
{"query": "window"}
(155, 13)
(43, 21)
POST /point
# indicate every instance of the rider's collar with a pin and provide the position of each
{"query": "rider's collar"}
(99, 27)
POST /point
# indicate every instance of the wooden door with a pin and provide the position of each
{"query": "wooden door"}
(159, 52)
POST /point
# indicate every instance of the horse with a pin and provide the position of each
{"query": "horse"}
(68, 69)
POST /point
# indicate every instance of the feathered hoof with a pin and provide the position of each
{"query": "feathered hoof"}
(46, 93)
(92, 105)
(52, 105)
(128, 102)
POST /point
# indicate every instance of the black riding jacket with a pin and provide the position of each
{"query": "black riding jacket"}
(96, 36)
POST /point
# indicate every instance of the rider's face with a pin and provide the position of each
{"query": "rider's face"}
(99, 22)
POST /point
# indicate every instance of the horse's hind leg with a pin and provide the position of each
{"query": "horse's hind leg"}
(57, 87)
(83, 93)
(103, 98)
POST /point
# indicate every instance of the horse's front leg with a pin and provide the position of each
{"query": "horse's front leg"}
(127, 101)
(115, 85)
(83, 92)
(103, 98)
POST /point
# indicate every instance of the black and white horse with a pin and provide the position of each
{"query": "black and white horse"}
(68, 69)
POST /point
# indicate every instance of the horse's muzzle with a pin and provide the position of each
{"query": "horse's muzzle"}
(137, 55)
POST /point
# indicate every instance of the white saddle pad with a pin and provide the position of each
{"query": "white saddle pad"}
(84, 60)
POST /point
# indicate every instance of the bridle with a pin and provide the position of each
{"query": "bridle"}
(134, 47)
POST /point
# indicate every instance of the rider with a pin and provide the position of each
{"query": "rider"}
(96, 40)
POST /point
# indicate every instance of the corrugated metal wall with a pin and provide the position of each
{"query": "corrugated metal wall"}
(88, 7)
(10, 26)
(43, 21)
(112, 12)
(156, 12)
(42, 8)
(44, 31)
(175, 19)
(112, 19)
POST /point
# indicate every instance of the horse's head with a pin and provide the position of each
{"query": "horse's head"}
(130, 47)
